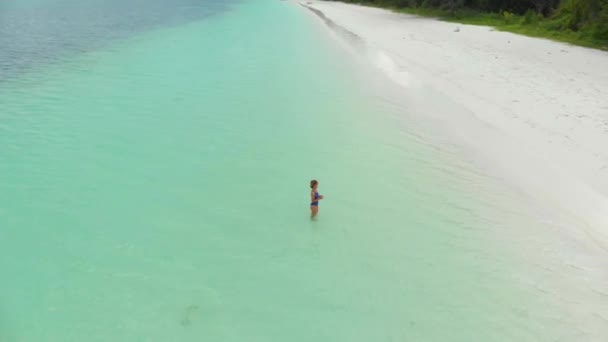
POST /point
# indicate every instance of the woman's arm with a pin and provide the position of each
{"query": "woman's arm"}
(312, 197)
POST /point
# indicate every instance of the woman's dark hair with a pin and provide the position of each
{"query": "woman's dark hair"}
(313, 183)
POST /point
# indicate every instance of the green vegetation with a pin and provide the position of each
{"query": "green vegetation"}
(580, 22)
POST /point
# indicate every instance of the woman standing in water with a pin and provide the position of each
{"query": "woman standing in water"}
(314, 198)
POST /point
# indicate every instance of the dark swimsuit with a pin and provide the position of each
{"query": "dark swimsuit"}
(316, 202)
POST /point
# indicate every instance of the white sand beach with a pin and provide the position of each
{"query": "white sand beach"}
(531, 112)
(534, 109)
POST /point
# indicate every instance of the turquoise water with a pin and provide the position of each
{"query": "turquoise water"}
(154, 187)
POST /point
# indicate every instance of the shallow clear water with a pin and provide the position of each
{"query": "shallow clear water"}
(154, 184)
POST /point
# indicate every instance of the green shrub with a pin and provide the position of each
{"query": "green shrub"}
(508, 17)
(530, 17)
(600, 28)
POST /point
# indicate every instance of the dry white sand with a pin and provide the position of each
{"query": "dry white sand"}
(533, 108)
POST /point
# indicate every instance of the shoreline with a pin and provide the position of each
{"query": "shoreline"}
(540, 107)
(530, 115)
